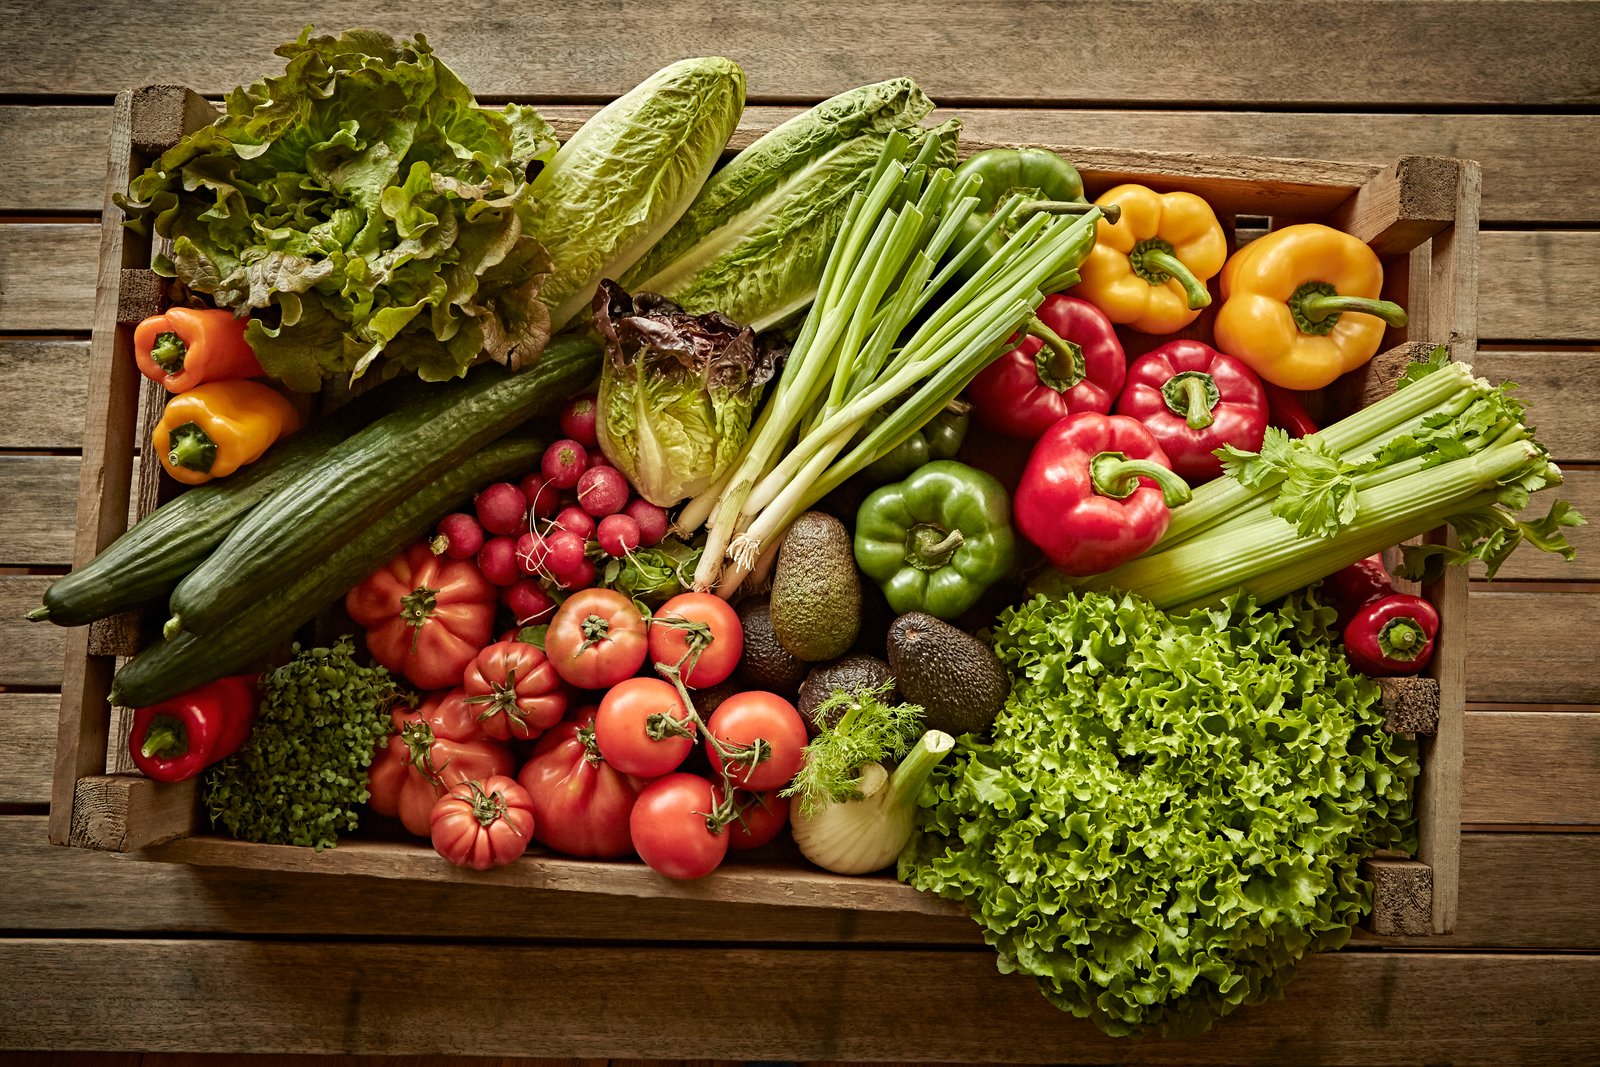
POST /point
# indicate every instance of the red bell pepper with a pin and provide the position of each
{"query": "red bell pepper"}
(432, 749)
(1096, 493)
(1073, 363)
(1193, 400)
(178, 738)
(1287, 413)
(1356, 585)
(1392, 635)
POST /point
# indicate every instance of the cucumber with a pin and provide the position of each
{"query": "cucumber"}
(180, 663)
(366, 475)
(148, 560)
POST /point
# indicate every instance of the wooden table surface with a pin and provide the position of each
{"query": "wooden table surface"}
(121, 953)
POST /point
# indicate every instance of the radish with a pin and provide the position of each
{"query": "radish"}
(497, 561)
(501, 508)
(528, 602)
(577, 521)
(462, 535)
(577, 420)
(602, 491)
(582, 577)
(619, 535)
(563, 554)
(652, 521)
(544, 499)
(563, 462)
(531, 552)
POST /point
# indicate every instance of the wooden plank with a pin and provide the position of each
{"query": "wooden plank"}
(60, 297)
(128, 812)
(27, 723)
(1403, 205)
(41, 494)
(1402, 897)
(1418, 53)
(1532, 767)
(1535, 285)
(1370, 1007)
(1547, 383)
(54, 154)
(1534, 648)
(34, 651)
(44, 383)
(1526, 891)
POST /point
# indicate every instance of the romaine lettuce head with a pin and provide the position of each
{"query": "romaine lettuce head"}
(361, 205)
(1173, 809)
(677, 392)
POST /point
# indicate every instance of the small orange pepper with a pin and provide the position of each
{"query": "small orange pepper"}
(1301, 306)
(215, 428)
(1149, 269)
(183, 347)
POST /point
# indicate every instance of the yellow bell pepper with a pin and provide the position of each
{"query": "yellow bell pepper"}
(217, 427)
(1149, 269)
(1301, 306)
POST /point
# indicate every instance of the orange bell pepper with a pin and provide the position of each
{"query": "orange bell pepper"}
(1148, 270)
(1301, 306)
(215, 428)
(184, 347)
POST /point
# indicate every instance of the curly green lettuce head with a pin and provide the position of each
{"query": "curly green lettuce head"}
(361, 205)
(1172, 810)
(677, 392)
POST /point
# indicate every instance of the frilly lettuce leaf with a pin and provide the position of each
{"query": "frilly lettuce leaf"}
(360, 206)
(1172, 810)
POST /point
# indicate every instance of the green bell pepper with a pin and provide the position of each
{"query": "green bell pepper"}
(939, 438)
(936, 540)
(1050, 184)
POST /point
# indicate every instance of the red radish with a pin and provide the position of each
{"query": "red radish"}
(462, 535)
(531, 552)
(582, 577)
(618, 535)
(528, 602)
(602, 491)
(501, 508)
(563, 554)
(544, 499)
(563, 462)
(577, 420)
(652, 520)
(497, 561)
(576, 520)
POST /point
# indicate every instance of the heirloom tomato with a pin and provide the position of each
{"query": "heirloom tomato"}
(516, 691)
(482, 824)
(432, 749)
(596, 639)
(426, 616)
(581, 803)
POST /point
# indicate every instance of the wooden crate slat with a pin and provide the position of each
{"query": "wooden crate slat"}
(44, 383)
(27, 722)
(60, 298)
(1532, 767)
(1403, 205)
(1546, 383)
(126, 812)
(33, 650)
(1536, 648)
(1402, 897)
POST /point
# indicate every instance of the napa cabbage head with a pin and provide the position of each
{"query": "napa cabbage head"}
(677, 392)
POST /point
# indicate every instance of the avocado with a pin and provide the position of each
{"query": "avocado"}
(816, 591)
(957, 679)
(852, 674)
(766, 664)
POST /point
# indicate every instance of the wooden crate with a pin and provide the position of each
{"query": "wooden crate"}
(1419, 214)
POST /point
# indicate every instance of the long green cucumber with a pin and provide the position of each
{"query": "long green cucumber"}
(366, 475)
(148, 560)
(180, 663)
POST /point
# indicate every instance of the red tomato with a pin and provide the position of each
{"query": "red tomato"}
(671, 828)
(482, 824)
(621, 727)
(426, 617)
(596, 639)
(744, 718)
(580, 802)
(700, 632)
(761, 817)
(517, 692)
(432, 749)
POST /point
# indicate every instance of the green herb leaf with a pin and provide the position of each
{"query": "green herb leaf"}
(1489, 535)
(1317, 495)
(853, 729)
(1417, 370)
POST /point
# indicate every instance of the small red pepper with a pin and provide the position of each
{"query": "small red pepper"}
(1288, 414)
(1096, 492)
(178, 738)
(1070, 361)
(1360, 583)
(1392, 635)
(1193, 400)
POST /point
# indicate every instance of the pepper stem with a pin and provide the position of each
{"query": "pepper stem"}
(1155, 261)
(928, 550)
(1316, 307)
(1402, 639)
(168, 352)
(1059, 362)
(1192, 394)
(167, 737)
(190, 447)
(1111, 212)
(1115, 475)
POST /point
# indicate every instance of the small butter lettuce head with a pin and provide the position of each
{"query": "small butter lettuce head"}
(677, 392)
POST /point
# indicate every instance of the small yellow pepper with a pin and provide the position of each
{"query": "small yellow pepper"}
(217, 427)
(1149, 269)
(1301, 306)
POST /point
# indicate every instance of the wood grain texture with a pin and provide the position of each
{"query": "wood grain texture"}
(34, 651)
(40, 494)
(1535, 285)
(44, 384)
(27, 725)
(1533, 647)
(1547, 381)
(1402, 205)
(1402, 897)
(128, 812)
(1582, 489)
(54, 299)
(1366, 1006)
(1530, 767)
(46, 147)
(1432, 53)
